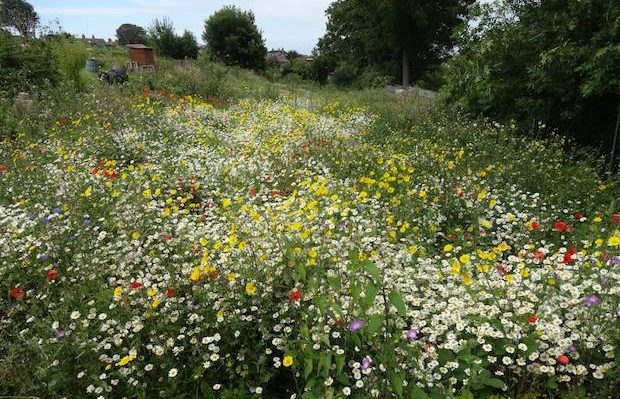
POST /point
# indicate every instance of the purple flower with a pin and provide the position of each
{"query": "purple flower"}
(44, 258)
(46, 220)
(60, 333)
(355, 325)
(572, 348)
(56, 211)
(366, 363)
(604, 280)
(73, 237)
(615, 261)
(592, 300)
(412, 334)
(86, 222)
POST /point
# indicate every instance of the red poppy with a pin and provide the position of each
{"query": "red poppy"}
(539, 255)
(568, 255)
(502, 271)
(562, 359)
(579, 216)
(167, 238)
(110, 174)
(559, 226)
(135, 285)
(3, 168)
(532, 319)
(17, 293)
(535, 225)
(451, 237)
(615, 218)
(146, 91)
(62, 122)
(253, 191)
(295, 295)
(169, 293)
(52, 274)
(95, 171)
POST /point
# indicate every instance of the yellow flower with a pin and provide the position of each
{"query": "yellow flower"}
(467, 280)
(613, 241)
(288, 361)
(195, 274)
(151, 291)
(125, 360)
(312, 253)
(422, 194)
(135, 235)
(413, 249)
(250, 288)
(482, 195)
(156, 303)
(118, 292)
(448, 248)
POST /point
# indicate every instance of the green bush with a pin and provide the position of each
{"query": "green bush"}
(8, 122)
(25, 65)
(345, 74)
(71, 57)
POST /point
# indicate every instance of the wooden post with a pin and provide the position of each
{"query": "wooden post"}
(612, 159)
(405, 70)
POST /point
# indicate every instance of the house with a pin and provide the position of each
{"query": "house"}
(140, 57)
(278, 57)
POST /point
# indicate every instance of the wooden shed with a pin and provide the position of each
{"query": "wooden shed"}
(140, 56)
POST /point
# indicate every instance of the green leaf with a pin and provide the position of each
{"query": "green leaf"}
(308, 368)
(339, 363)
(372, 269)
(397, 384)
(371, 293)
(418, 393)
(301, 269)
(493, 382)
(397, 300)
(465, 394)
(374, 324)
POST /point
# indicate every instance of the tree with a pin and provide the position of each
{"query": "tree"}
(162, 38)
(20, 15)
(188, 46)
(553, 63)
(233, 38)
(167, 43)
(415, 34)
(131, 34)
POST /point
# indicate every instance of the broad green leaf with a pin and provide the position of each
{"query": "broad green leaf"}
(308, 368)
(418, 393)
(397, 384)
(372, 269)
(397, 300)
(374, 324)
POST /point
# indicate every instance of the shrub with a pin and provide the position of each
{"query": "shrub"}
(71, 56)
(25, 65)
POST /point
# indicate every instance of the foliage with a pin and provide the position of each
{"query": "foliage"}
(385, 34)
(166, 42)
(325, 244)
(20, 15)
(71, 57)
(552, 63)
(25, 65)
(131, 34)
(233, 38)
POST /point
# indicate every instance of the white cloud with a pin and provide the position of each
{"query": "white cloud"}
(93, 11)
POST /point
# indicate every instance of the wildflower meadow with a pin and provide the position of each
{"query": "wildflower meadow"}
(162, 246)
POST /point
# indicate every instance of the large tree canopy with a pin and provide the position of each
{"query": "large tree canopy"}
(386, 33)
(20, 15)
(554, 63)
(131, 34)
(167, 43)
(233, 38)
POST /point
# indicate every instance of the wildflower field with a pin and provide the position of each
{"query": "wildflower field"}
(153, 245)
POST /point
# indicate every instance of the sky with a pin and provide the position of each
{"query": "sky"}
(289, 24)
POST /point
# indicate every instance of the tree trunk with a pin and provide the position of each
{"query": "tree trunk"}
(612, 159)
(405, 69)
